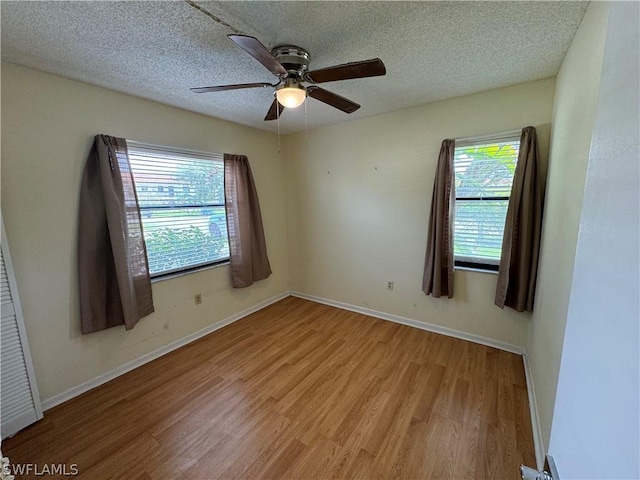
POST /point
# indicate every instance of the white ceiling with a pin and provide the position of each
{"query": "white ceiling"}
(157, 50)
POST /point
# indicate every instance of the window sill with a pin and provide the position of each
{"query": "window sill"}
(479, 270)
(182, 274)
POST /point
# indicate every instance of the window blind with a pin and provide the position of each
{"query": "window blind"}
(181, 199)
(483, 178)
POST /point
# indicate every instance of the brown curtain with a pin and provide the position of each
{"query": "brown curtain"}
(438, 264)
(247, 246)
(115, 287)
(521, 241)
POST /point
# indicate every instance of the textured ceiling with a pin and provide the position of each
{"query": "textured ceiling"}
(157, 50)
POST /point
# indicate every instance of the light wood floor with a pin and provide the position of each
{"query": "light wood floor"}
(299, 390)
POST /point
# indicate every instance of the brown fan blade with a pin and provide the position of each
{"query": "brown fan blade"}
(272, 114)
(257, 50)
(365, 68)
(222, 88)
(333, 99)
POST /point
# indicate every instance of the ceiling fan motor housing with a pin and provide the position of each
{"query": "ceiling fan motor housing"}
(294, 59)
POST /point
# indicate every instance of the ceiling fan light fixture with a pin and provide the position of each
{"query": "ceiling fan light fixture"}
(291, 95)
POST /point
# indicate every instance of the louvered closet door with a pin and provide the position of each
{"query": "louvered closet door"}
(19, 399)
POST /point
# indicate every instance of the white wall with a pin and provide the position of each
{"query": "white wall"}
(48, 124)
(596, 421)
(359, 199)
(573, 117)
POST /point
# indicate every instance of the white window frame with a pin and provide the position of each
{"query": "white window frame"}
(133, 145)
(470, 262)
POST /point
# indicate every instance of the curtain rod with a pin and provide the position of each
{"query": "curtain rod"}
(510, 133)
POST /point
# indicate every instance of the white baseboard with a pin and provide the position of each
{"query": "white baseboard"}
(430, 327)
(538, 444)
(127, 367)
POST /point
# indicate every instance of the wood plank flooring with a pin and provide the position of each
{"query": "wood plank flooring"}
(299, 390)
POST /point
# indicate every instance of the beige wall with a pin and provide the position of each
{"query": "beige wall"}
(358, 204)
(596, 415)
(573, 118)
(48, 124)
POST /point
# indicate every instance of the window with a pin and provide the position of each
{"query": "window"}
(181, 198)
(483, 174)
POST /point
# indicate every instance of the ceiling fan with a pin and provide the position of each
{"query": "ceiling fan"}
(291, 65)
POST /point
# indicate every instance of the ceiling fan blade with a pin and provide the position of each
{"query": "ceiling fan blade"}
(257, 50)
(346, 71)
(275, 110)
(333, 99)
(222, 88)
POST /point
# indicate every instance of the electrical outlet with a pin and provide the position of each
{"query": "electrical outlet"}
(198, 298)
(389, 285)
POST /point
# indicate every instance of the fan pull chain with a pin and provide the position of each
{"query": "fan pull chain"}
(306, 129)
(278, 120)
